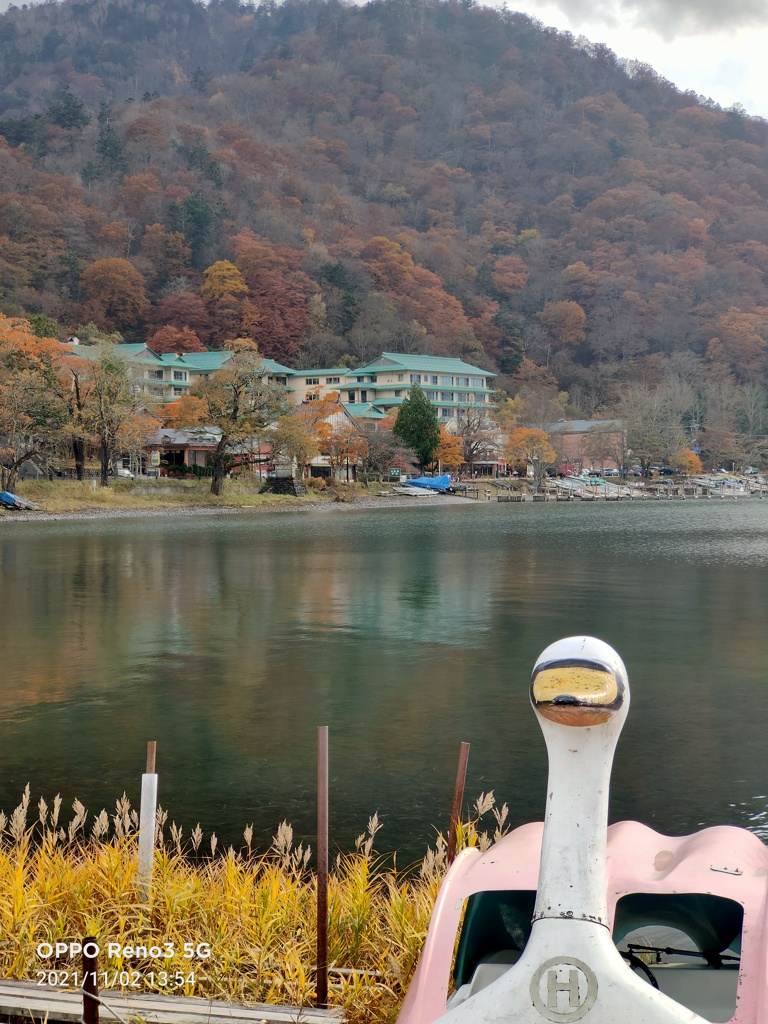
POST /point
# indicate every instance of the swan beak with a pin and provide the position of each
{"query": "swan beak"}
(576, 693)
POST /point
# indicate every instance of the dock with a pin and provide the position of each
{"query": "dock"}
(43, 1003)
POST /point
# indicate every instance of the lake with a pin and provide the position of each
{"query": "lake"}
(230, 639)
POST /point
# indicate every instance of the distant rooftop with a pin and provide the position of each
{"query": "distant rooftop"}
(421, 364)
(363, 411)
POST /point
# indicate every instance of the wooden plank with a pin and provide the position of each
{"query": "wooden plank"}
(41, 1002)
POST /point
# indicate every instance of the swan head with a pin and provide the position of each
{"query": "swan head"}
(580, 681)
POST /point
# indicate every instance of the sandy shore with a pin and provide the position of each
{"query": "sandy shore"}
(395, 501)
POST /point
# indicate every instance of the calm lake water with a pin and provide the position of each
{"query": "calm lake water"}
(229, 639)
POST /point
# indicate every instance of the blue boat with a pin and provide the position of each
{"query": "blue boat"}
(431, 483)
(8, 500)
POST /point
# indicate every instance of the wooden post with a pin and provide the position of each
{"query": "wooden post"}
(147, 820)
(322, 866)
(90, 981)
(458, 800)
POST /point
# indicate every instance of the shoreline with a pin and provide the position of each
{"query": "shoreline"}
(186, 511)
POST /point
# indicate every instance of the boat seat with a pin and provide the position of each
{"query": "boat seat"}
(497, 923)
(710, 993)
(487, 971)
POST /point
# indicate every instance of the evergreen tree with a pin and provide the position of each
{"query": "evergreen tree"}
(108, 145)
(67, 111)
(42, 326)
(197, 220)
(417, 425)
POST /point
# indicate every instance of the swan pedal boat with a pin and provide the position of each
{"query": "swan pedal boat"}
(569, 920)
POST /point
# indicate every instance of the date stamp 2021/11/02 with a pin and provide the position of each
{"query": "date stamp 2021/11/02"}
(155, 970)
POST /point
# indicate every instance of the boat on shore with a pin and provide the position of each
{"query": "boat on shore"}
(567, 919)
(15, 503)
(440, 484)
(411, 492)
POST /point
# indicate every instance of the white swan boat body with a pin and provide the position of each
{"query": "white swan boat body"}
(569, 920)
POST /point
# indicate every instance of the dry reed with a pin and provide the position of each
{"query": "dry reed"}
(60, 882)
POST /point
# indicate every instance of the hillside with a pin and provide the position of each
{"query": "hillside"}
(408, 175)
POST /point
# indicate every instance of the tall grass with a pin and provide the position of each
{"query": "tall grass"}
(85, 495)
(255, 911)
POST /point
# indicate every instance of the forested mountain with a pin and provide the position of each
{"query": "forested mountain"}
(413, 175)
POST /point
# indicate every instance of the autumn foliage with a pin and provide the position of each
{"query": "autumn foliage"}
(289, 177)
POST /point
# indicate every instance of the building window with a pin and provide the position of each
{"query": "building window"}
(401, 377)
(433, 379)
(179, 374)
(477, 382)
(312, 381)
(311, 398)
(445, 414)
(332, 380)
(398, 394)
(178, 392)
(446, 396)
(446, 380)
(431, 395)
(155, 374)
(363, 396)
(350, 396)
(373, 378)
(415, 378)
(462, 382)
(480, 398)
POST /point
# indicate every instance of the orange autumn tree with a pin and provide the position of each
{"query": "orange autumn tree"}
(187, 411)
(449, 453)
(117, 293)
(685, 462)
(33, 412)
(531, 447)
(342, 445)
(296, 435)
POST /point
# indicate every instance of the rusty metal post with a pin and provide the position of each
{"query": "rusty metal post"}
(147, 820)
(322, 866)
(458, 800)
(90, 980)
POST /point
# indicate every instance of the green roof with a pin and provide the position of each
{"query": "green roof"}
(196, 360)
(363, 410)
(133, 349)
(272, 367)
(419, 364)
(388, 401)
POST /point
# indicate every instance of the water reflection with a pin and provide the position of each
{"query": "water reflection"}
(228, 640)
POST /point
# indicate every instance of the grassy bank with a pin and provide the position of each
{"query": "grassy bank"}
(63, 880)
(83, 496)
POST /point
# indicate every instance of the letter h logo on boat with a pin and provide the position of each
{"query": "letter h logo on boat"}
(564, 989)
(555, 985)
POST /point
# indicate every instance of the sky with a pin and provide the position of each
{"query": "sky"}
(717, 48)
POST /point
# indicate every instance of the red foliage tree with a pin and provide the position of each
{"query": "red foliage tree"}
(277, 316)
(175, 339)
(182, 310)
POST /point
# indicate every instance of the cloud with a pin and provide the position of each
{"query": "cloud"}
(670, 18)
